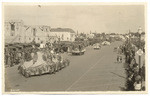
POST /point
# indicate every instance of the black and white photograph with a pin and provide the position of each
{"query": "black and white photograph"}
(74, 47)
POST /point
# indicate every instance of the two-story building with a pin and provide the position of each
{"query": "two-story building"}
(37, 33)
(16, 32)
(63, 34)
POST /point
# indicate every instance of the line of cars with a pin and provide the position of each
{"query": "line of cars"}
(97, 46)
(23, 55)
(14, 53)
(50, 64)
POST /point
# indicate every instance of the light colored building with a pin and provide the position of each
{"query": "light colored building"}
(63, 34)
(16, 32)
(37, 33)
(52, 39)
(91, 35)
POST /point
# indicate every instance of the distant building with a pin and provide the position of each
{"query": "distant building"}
(63, 34)
(91, 35)
(112, 35)
(107, 37)
(16, 32)
(122, 37)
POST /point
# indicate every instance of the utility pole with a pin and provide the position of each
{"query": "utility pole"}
(140, 52)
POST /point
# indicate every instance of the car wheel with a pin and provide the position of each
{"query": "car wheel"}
(50, 70)
(27, 75)
(40, 72)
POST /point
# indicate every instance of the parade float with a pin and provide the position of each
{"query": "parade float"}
(43, 63)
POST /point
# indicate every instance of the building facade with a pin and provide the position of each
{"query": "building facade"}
(63, 34)
(16, 32)
(13, 31)
(36, 33)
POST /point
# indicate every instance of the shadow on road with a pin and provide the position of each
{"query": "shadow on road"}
(125, 65)
(122, 88)
(118, 75)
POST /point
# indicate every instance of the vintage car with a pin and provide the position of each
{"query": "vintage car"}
(78, 52)
(105, 43)
(42, 65)
(78, 49)
(96, 46)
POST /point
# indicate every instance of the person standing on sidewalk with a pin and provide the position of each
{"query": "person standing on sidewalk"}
(143, 71)
(137, 86)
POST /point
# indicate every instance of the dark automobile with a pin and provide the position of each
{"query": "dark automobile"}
(78, 49)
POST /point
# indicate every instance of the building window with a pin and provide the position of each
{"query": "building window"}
(34, 32)
(62, 36)
(12, 26)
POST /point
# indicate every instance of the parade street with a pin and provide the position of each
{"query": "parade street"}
(96, 70)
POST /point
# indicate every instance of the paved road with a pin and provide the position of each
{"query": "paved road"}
(97, 70)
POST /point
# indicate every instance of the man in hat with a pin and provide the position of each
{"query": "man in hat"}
(137, 86)
(35, 57)
(143, 71)
(12, 58)
(42, 46)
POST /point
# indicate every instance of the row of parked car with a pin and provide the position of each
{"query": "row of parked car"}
(97, 46)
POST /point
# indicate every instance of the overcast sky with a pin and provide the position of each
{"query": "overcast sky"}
(99, 18)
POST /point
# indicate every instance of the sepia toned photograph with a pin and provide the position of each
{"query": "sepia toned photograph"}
(74, 47)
